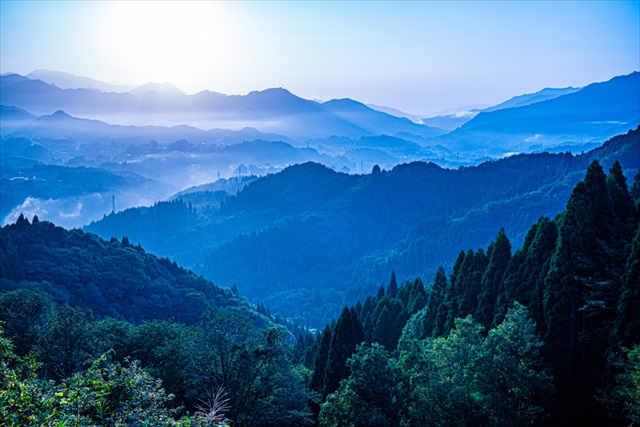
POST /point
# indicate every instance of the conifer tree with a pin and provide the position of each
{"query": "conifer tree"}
(384, 329)
(417, 299)
(416, 303)
(436, 297)
(442, 325)
(347, 335)
(322, 356)
(523, 281)
(575, 319)
(392, 290)
(499, 257)
(626, 330)
(469, 284)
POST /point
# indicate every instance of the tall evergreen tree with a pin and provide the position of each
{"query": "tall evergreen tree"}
(523, 281)
(467, 284)
(626, 330)
(573, 317)
(417, 297)
(436, 297)
(499, 257)
(392, 290)
(347, 335)
(384, 329)
(322, 356)
(443, 325)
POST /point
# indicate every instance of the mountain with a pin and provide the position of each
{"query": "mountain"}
(273, 110)
(593, 113)
(13, 118)
(377, 122)
(454, 118)
(112, 278)
(395, 112)
(165, 88)
(532, 98)
(308, 240)
(450, 121)
(71, 81)
(63, 125)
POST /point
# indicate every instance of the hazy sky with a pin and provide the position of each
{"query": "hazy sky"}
(419, 57)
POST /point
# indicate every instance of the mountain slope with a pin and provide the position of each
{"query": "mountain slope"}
(112, 278)
(594, 113)
(71, 81)
(532, 98)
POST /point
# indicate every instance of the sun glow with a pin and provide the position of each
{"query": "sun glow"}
(187, 43)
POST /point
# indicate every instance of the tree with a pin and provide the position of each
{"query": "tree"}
(443, 317)
(523, 281)
(346, 337)
(436, 298)
(392, 289)
(322, 356)
(577, 319)
(369, 396)
(622, 396)
(67, 346)
(511, 376)
(499, 257)
(626, 331)
(438, 383)
(26, 314)
(254, 367)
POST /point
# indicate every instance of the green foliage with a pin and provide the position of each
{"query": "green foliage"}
(436, 298)
(320, 365)
(26, 314)
(347, 335)
(255, 368)
(627, 323)
(368, 397)
(622, 396)
(499, 254)
(106, 394)
(512, 378)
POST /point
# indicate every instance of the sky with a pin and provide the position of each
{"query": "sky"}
(419, 57)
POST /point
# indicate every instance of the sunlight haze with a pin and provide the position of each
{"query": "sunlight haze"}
(419, 57)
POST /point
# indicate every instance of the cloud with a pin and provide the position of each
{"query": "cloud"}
(533, 138)
(67, 212)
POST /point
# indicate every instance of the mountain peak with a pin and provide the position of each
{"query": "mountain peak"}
(60, 114)
(165, 88)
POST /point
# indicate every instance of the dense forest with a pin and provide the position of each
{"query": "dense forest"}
(309, 240)
(546, 335)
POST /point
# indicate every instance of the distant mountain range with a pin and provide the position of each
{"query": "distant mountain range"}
(548, 118)
(272, 110)
(62, 125)
(71, 81)
(593, 113)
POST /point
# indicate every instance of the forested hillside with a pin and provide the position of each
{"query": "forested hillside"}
(548, 335)
(112, 278)
(308, 240)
